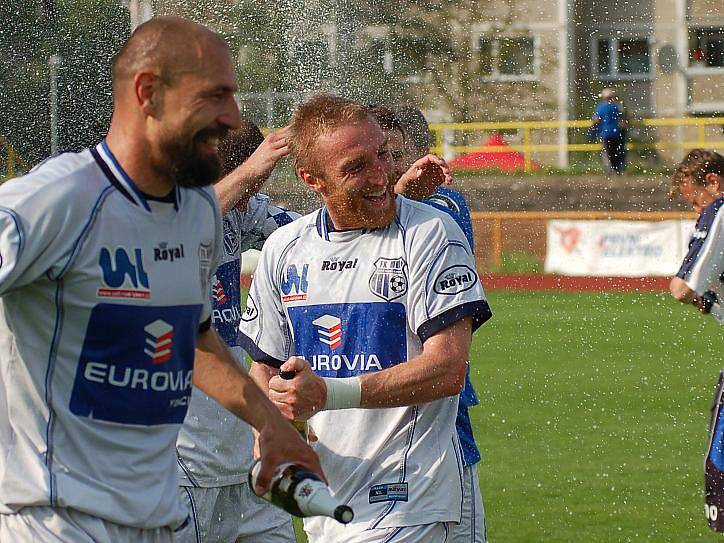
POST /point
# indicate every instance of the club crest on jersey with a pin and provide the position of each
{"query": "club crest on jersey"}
(159, 341)
(329, 329)
(123, 274)
(389, 278)
(294, 286)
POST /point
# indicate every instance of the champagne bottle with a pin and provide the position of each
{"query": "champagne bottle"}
(301, 493)
(301, 425)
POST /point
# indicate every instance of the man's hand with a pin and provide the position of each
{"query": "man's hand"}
(246, 180)
(301, 397)
(278, 442)
(423, 177)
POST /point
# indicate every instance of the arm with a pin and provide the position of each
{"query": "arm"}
(423, 177)
(681, 291)
(439, 371)
(235, 189)
(217, 374)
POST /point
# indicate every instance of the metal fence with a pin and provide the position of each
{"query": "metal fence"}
(530, 138)
(546, 137)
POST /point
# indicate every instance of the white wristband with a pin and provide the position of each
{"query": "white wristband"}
(343, 392)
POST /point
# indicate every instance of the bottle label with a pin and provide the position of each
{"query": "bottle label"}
(306, 494)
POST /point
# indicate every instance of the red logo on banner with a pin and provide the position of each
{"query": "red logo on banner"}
(569, 238)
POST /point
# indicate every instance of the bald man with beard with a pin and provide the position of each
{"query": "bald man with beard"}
(106, 261)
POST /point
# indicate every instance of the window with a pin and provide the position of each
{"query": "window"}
(706, 47)
(507, 58)
(622, 58)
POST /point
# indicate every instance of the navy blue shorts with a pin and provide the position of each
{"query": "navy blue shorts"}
(714, 463)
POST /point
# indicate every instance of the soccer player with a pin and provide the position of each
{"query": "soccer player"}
(215, 449)
(372, 301)
(699, 179)
(408, 141)
(107, 260)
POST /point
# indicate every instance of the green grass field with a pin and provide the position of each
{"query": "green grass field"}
(593, 416)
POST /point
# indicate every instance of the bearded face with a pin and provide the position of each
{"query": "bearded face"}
(190, 160)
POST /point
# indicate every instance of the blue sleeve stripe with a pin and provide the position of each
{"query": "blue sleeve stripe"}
(256, 354)
(479, 310)
(85, 232)
(18, 229)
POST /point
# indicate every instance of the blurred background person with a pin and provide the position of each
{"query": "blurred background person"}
(610, 124)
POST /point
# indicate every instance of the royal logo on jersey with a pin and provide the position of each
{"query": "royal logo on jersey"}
(389, 278)
(159, 341)
(455, 279)
(251, 312)
(329, 328)
(338, 264)
(294, 286)
(123, 274)
(217, 292)
(165, 253)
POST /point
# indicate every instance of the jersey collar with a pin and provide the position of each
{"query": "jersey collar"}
(121, 180)
(325, 227)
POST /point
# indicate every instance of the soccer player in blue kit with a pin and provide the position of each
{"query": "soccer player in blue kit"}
(408, 139)
(106, 263)
(372, 301)
(699, 179)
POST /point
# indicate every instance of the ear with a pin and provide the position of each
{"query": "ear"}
(312, 181)
(714, 182)
(147, 89)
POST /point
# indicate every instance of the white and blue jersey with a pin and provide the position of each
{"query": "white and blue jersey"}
(214, 446)
(360, 301)
(454, 203)
(703, 266)
(103, 292)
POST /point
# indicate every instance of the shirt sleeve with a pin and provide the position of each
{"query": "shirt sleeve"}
(260, 219)
(703, 267)
(263, 330)
(217, 256)
(444, 285)
(39, 227)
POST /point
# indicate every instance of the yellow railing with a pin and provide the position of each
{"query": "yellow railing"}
(13, 161)
(496, 219)
(527, 129)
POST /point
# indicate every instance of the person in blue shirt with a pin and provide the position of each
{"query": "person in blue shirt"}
(408, 140)
(610, 123)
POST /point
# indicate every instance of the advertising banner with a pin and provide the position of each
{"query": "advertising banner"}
(617, 248)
